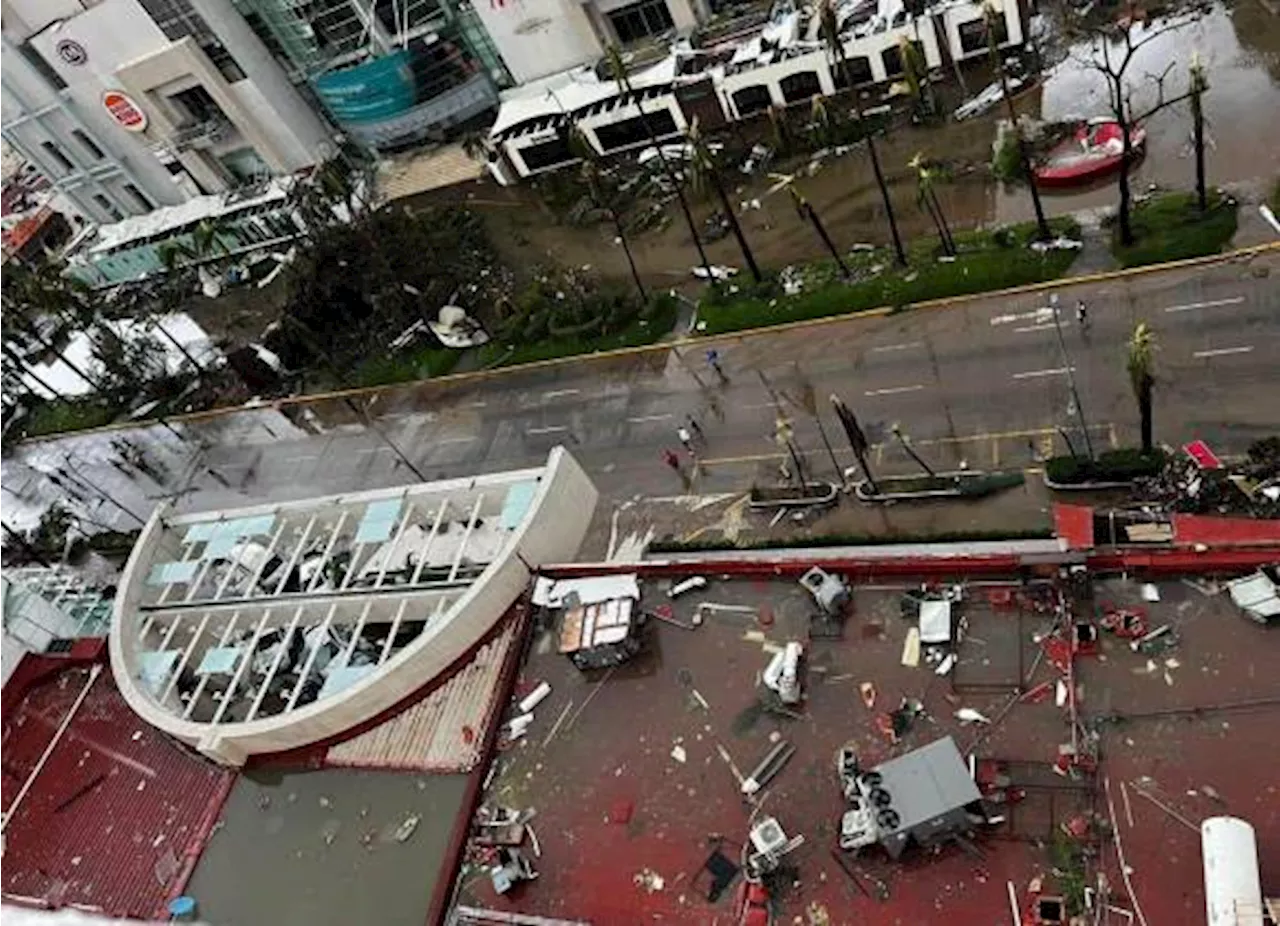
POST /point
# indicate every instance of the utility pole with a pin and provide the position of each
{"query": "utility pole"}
(1071, 377)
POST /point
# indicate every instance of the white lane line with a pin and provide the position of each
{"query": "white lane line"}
(455, 440)
(365, 450)
(555, 393)
(554, 429)
(476, 405)
(1024, 330)
(1234, 300)
(748, 408)
(1032, 374)
(301, 459)
(643, 418)
(895, 390)
(892, 347)
(1222, 352)
(1035, 315)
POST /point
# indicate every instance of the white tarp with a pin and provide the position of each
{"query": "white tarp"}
(552, 594)
(935, 621)
(1256, 594)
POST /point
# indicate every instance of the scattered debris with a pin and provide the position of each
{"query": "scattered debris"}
(782, 675)
(688, 585)
(868, 692)
(969, 715)
(768, 768)
(407, 828)
(678, 753)
(649, 880)
(535, 697)
(911, 648)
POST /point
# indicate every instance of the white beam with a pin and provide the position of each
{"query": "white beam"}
(297, 551)
(186, 657)
(328, 551)
(462, 547)
(246, 657)
(355, 635)
(311, 658)
(275, 664)
(429, 542)
(204, 679)
(391, 635)
(173, 628)
(409, 512)
(252, 588)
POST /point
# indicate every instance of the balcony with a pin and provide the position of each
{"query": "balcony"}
(200, 134)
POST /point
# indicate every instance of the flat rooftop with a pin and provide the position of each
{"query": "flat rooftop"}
(631, 791)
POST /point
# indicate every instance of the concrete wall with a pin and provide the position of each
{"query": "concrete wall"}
(552, 531)
(540, 37)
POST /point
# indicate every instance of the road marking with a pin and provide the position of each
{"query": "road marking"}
(1036, 315)
(643, 418)
(555, 393)
(748, 408)
(553, 429)
(1234, 300)
(476, 405)
(892, 347)
(364, 450)
(301, 459)
(1027, 328)
(894, 390)
(455, 440)
(1222, 352)
(1032, 374)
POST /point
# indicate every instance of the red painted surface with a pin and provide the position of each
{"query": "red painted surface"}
(1204, 456)
(1074, 525)
(1224, 532)
(114, 796)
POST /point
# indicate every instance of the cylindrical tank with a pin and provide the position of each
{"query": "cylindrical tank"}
(1232, 888)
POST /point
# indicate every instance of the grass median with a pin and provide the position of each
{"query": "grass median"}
(989, 259)
(1172, 227)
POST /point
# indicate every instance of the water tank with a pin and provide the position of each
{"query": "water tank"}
(1232, 889)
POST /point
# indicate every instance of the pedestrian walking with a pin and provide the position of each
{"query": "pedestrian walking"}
(1082, 314)
(713, 361)
(669, 457)
(685, 438)
(695, 427)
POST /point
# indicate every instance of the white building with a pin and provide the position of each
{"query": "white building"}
(127, 105)
(785, 65)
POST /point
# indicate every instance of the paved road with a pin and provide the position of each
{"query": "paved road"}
(983, 382)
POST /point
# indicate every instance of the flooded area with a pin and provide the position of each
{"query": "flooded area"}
(1240, 50)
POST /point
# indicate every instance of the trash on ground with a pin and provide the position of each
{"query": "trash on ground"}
(688, 585)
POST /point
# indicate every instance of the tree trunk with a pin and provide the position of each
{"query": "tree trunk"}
(1126, 197)
(733, 224)
(906, 445)
(1197, 122)
(1144, 414)
(898, 251)
(1024, 155)
(942, 220)
(821, 229)
(626, 249)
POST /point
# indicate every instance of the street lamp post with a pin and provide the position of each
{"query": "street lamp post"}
(1071, 377)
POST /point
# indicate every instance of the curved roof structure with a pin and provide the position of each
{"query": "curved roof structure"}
(270, 628)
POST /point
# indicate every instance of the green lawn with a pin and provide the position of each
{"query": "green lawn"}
(987, 260)
(57, 416)
(404, 367)
(1171, 227)
(639, 332)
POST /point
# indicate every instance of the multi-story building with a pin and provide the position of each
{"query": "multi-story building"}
(128, 105)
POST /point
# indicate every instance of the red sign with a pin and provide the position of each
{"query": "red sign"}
(127, 113)
(1205, 458)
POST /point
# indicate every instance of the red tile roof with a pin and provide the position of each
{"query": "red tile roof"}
(118, 813)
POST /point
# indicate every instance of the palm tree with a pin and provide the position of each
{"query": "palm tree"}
(906, 445)
(806, 211)
(857, 439)
(1199, 84)
(704, 170)
(831, 35)
(991, 16)
(202, 249)
(619, 72)
(927, 199)
(579, 145)
(1140, 364)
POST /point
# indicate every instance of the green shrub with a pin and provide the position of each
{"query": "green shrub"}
(60, 415)
(1171, 227)
(1123, 465)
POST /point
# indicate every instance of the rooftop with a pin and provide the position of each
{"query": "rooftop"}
(266, 629)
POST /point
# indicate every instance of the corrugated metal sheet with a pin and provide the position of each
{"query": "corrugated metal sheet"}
(445, 730)
(113, 809)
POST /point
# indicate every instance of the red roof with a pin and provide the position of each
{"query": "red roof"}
(1074, 525)
(118, 813)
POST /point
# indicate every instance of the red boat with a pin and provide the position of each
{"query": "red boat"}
(1094, 151)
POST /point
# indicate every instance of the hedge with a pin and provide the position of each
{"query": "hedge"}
(1123, 465)
(845, 540)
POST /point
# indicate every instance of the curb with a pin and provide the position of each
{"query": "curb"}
(683, 342)
(1084, 486)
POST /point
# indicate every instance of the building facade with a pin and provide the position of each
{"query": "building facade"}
(129, 105)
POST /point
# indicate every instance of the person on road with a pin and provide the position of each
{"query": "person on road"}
(685, 438)
(669, 457)
(713, 361)
(1082, 314)
(695, 427)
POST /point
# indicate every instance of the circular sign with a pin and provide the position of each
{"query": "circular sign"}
(72, 52)
(128, 114)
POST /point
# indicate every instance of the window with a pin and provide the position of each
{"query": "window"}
(196, 103)
(752, 99)
(88, 144)
(973, 34)
(892, 58)
(46, 70)
(641, 20)
(59, 158)
(797, 88)
(139, 197)
(546, 154)
(107, 206)
(222, 60)
(177, 20)
(633, 131)
(858, 69)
